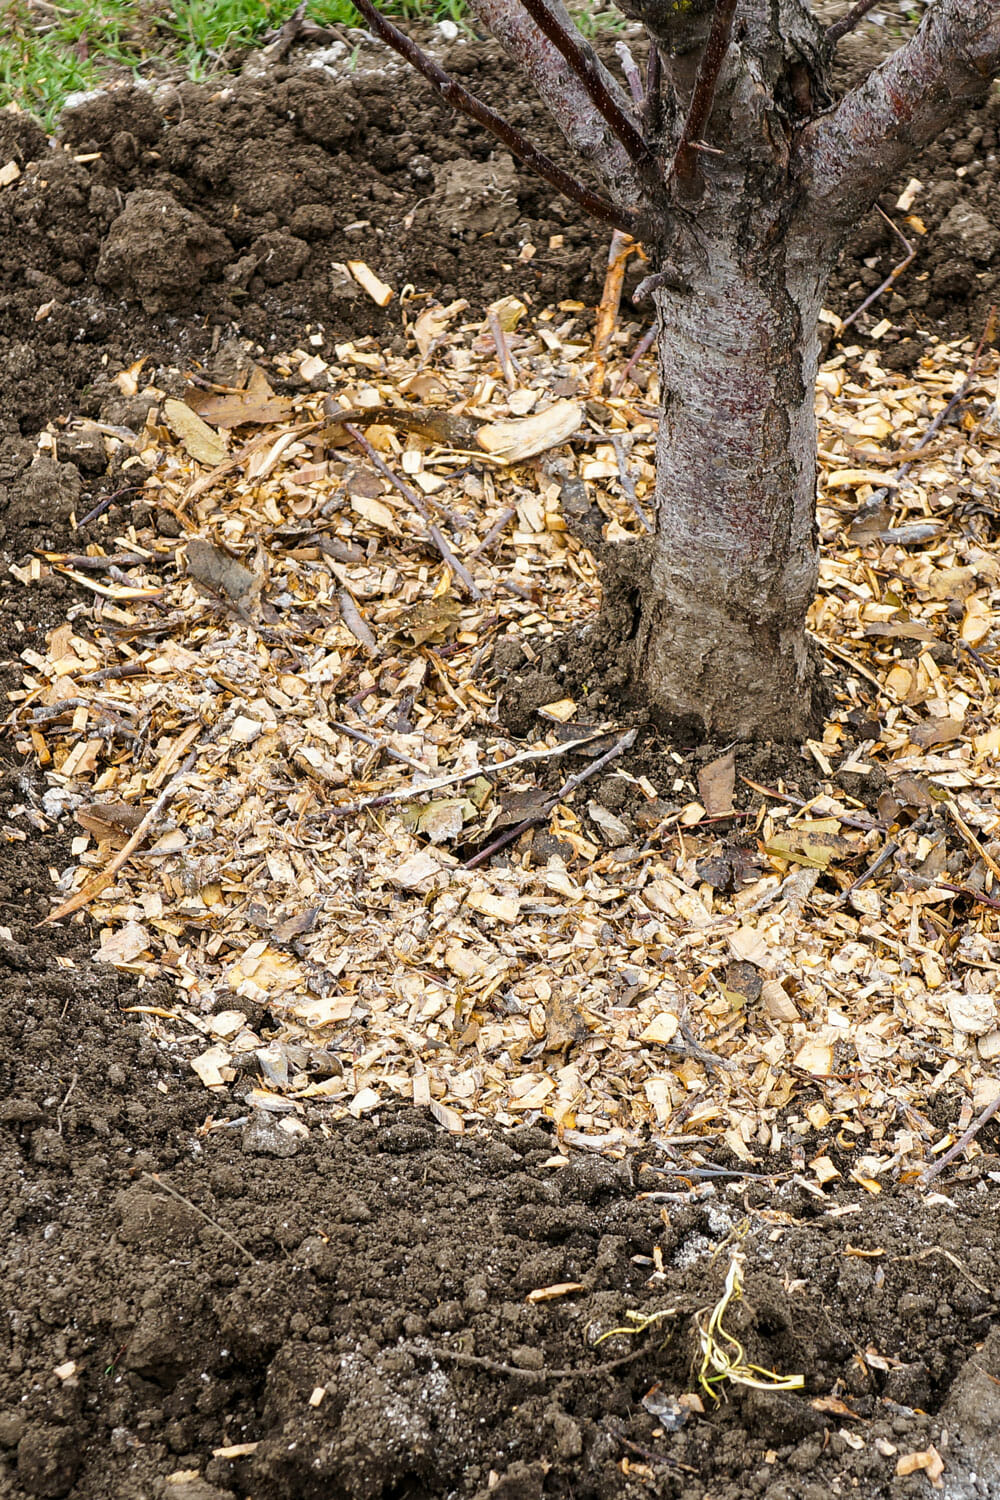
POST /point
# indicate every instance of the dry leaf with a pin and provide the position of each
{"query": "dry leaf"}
(202, 442)
(716, 783)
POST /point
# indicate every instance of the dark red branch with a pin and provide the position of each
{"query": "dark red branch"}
(459, 98)
(685, 165)
(584, 64)
(652, 112)
(847, 23)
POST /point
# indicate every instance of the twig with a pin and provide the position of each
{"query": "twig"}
(641, 348)
(369, 739)
(154, 1177)
(493, 534)
(632, 78)
(892, 277)
(460, 571)
(973, 843)
(102, 505)
(891, 849)
(625, 479)
(847, 23)
(583, 61)
(649, 1454)
(356, 623)
(459, 98)
(949, 1156)
(504, 358)
(652, 111)
(866, 825)
(510, 834)
(685, 167)
(621, 247)
(498, 1367)
(96, 884)
(404, 793)
(668, 276)
(63, 1103)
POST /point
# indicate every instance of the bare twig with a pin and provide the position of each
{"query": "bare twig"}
(158, 1181)
(459, 569)
(96, 884)
(641, 348)
(847, 23)
(892, 277)
(625, 479)
(866, 824)
(369, 739)
(929, 1173)
(498, 1367)
(494, 532)
(459, 98)
(582, 60)
(504, 356)
(632, 78)
(621, 247)
(685, 163)
(510, 834)
(404, 793)
(883, 858)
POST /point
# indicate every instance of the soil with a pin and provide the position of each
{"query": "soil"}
(200, 1306)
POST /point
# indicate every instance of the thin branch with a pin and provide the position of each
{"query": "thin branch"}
(652, 113)
(892, 277)
(460, 99)
(459, 569)
(685, 164)
(847, 23)
(581, 59)
(569, 785)
(624, 54)
(963, 1141)
(849, 155)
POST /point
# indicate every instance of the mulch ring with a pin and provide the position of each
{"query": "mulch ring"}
(275, 727)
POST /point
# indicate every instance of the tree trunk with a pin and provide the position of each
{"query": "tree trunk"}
(720, 634)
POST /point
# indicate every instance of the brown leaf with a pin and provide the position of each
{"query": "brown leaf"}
(716, 782)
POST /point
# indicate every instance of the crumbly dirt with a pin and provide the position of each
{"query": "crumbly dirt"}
(199, 1309)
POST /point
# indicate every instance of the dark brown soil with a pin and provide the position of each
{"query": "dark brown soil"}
(179, 1280)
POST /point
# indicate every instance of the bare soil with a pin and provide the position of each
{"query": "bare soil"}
(350, 1310)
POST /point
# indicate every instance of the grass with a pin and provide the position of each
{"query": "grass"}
(50, 50)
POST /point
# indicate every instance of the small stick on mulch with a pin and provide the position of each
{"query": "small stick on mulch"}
(929, 1173)
(460, 571)
(510, 834)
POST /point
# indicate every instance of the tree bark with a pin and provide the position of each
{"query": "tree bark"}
(720, 621)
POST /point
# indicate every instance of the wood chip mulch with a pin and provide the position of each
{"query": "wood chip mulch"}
(275, 731)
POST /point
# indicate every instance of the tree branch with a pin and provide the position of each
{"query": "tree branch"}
(459, 98)
(581, 58)
(847, 23)
(849, 155)
(685, 166)
(563, 94)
